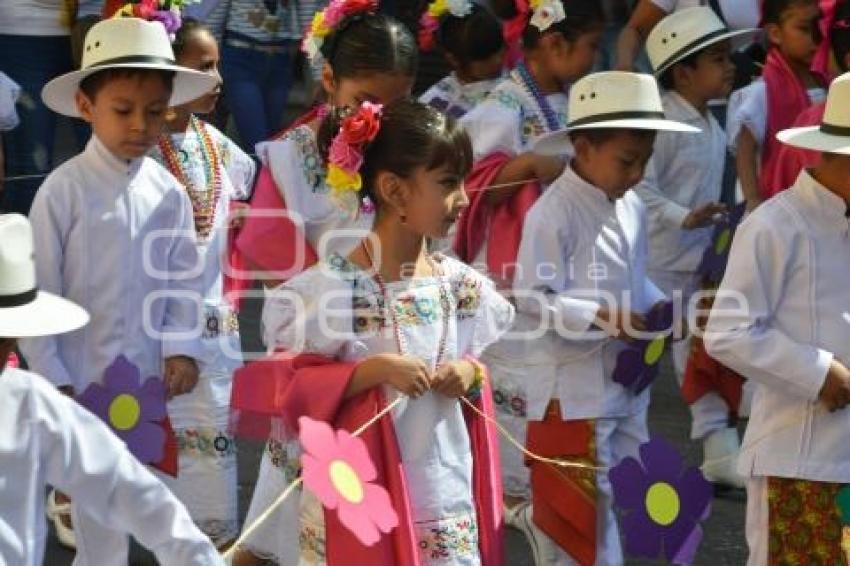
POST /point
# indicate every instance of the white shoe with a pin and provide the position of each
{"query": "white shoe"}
(55, 512)
(543, 548)
(720, 458)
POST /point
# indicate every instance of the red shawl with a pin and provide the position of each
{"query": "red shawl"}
(314, 386)
(791, 159)
(267, 243)
(787, 98)
(500, 226)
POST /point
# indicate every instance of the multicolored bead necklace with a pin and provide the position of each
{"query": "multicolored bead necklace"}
(523, 77)
(204, 199)
(401, 340)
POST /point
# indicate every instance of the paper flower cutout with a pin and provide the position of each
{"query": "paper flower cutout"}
(661, 503)
(12, 360)
(716, 255)
(336, 467)
(546, 13)
(133, 410)
(637, 365)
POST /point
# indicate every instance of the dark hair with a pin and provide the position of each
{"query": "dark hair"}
(188, 27)
(93, 83)
(583, 16)
(412, 135)
(599, 136)
(840, 34)
(772, 11)
(371, 43)
(666, 79)
(475, 37)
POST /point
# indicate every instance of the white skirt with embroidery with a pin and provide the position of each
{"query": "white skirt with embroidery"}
(207, 477)
(448, 541)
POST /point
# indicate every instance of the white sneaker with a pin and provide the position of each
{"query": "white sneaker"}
(55, 511)
(720, 458)
(543, 549)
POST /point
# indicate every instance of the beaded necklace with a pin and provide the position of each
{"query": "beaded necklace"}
(204, 199)
(400, 339)
(523, 77)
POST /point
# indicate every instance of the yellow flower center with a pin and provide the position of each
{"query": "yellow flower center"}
(124, 412)
(662, 503)
(653, 351)
(346, 481)
(723, 241)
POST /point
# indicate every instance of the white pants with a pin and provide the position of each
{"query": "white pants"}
(757, 521)
(709, 413)
(616, 439)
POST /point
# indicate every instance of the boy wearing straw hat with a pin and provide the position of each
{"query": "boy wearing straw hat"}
(782, 319)
(114, 231)
(582, 271)
(47, 438)
(689, 51)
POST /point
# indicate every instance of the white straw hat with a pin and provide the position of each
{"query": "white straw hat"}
(612, 99)
(833, 134)
(25, 311)
(129, 43)
(685, 32)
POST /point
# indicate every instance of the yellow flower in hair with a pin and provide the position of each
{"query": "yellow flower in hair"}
(437, 8)
(318, 27)
(341, 180)
(535, 4)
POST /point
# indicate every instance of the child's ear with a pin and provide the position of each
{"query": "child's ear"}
(581, 147)
(392, 191)
(84, 106)
(328, 81)
(773, 33)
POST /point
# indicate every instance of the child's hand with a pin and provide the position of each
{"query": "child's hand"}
(453, 379)
(406, 374)
(181, 375)
(835, 393)
(238, 213)
(620, 324)
(703, 216)
(547, 168)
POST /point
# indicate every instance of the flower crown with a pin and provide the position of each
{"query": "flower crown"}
(430, 21)
(166, 12)
(345, 155)
(327, 20)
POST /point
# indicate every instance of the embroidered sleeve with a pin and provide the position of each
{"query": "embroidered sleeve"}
(240, 168)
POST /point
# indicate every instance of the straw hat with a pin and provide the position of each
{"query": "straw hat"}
(833, 134)
(129, 43)
(612, 99)
(25, 311)
(685, 32)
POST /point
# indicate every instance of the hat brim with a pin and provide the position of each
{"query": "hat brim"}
(702, 45)
(45, 316)
(558, 143)
(814, 139)
(59, 94)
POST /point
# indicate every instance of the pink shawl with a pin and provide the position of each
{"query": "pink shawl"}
(500, 226)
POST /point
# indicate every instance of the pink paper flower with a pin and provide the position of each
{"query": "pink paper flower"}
(344, 156)
(336, 467)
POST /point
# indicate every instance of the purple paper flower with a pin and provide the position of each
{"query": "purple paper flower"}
(637, 364)
(132, 409)
(713, 264)
(661, 503)
(168, 18)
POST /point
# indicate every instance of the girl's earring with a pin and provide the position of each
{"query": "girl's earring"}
(170, 114)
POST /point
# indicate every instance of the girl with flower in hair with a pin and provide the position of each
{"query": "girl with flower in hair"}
(470, 38)
(389, 322)
(560, 41)
(297, 219)
(216, 174)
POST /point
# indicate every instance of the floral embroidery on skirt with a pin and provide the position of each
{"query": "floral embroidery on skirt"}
(448, 540)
